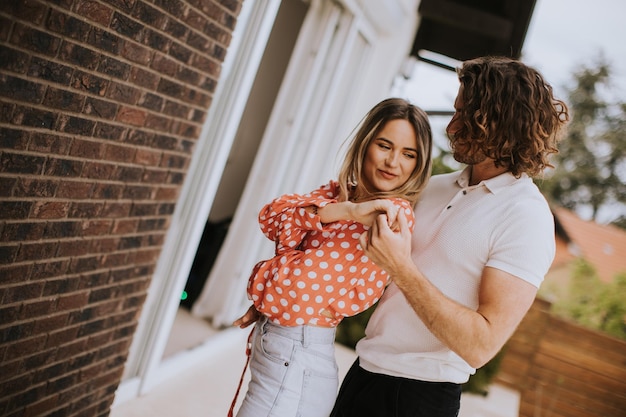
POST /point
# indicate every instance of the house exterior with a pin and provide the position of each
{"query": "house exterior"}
(122, 124)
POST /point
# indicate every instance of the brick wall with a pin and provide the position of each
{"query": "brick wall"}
(101, 103)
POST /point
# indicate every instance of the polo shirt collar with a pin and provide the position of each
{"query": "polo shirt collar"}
(493, 184)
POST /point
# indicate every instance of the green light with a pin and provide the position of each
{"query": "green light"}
(183, 296)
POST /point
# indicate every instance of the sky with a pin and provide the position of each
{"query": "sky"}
(562, 36)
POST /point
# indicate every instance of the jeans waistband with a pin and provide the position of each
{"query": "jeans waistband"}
(305, 334)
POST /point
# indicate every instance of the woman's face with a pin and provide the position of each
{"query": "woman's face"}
(391, 157)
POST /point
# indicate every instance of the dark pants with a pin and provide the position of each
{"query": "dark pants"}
(366, 394)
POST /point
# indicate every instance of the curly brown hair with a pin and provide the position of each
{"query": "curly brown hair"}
(350, 174)
(509, 114)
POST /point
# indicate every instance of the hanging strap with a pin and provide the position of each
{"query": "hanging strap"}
(248, 353)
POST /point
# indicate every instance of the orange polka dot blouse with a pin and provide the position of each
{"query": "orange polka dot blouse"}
(319, 274)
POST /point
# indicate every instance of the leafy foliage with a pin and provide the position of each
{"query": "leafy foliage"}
(590, 168)
(594, 304)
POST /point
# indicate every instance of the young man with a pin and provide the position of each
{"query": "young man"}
(483, 241)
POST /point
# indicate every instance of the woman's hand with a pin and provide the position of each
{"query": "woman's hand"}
(250, 317)
(368, 211)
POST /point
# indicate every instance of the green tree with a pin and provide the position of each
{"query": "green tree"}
(590, 168)
(593, 303)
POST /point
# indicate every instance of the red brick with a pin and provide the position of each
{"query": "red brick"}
(63, 99)
(22, 232)
(72, 301)
(47, 143)
(127, 174)
(114, 68)
(25, 347)
(50, 323)
(109, 131)
(122, 227)
(151, 102)
(89, 83)
(96, 227)
(138, 192)
(21, 90)
(148, 157)
(76, 125)
(59, 286)
(50, 71)
(30, 187)
(60, 167)
(50, 209)
(133, 116)
(97, 170)
(15, 273)
(85, 210)
(19, 163)
(106, 245)
(100, 108)
(79, 55)
(104, 40)
(146, 256)
(164, 65)
(29, 10)
(62, 336)
(95, 11)
(176, 30)
(174, 161)
(74, 189)
(167, 193)
(135, 53)
(42, 407)
(50, 269)
(158, 122)
(123, 94)
(35, 40)
(8, 253)
(15, 209)
(116, 209)
(72, 248)
(33, 251)
(180, 53)
(119, 153)
(108, 191)
(195, 20)
(87, 149)
(149, 15)
(153, 176)
(143, 78)
(68, 26)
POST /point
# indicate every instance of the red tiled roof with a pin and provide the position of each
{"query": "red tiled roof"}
(603, 246)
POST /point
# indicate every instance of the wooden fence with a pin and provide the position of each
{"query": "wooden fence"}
(564, 370)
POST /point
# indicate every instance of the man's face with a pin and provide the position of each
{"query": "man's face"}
(460, 145)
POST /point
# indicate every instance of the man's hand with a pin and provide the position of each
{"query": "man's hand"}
(388, 246)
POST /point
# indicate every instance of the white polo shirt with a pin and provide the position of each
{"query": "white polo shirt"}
(503, 222)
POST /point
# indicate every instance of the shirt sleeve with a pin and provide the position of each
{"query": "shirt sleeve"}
(286, 222)
(366, 279)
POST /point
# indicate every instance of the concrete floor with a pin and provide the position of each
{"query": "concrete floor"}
(207, 388)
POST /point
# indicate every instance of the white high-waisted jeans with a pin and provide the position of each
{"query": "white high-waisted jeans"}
(293, 372)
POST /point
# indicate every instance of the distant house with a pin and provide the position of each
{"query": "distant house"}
(602, 246)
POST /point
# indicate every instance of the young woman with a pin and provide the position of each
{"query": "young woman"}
(319, 274)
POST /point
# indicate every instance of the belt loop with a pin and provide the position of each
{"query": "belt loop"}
(305, 336)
